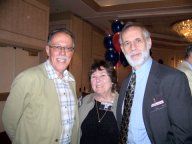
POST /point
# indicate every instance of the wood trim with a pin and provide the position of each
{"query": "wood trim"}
(136, 5)
(3, 96)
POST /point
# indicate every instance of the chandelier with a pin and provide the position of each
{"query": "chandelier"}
(184, 29)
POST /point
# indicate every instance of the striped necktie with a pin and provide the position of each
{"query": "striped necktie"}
(127, 109)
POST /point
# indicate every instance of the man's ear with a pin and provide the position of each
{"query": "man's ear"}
(149, 43)
(47, 50)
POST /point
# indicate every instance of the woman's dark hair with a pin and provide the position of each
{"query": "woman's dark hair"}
(108, 66)
(61, 30)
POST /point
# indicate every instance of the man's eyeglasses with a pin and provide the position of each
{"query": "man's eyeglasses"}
(137, 42)
(59, 48)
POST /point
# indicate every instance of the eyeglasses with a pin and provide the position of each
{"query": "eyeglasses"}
(137, 42)
(59, 48)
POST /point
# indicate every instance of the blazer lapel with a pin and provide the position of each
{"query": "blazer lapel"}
(151, 91)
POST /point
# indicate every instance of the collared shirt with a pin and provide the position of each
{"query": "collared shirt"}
(137, 133)
(190, 65)
(67, 102)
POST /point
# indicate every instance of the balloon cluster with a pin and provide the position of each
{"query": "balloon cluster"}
(111, 42)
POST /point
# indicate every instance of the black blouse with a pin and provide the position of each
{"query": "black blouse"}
(103, 132)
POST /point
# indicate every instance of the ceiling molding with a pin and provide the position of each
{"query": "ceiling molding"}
(138, 5)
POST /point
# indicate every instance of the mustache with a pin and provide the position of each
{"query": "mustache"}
(134, 53)
(63, 57)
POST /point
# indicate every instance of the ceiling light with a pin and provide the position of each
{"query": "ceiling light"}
(184, 29)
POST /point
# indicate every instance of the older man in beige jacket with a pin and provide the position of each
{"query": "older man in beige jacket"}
(42, 105)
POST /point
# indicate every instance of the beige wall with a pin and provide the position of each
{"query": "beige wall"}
(170, 57)
(24, 23)
(12, 62)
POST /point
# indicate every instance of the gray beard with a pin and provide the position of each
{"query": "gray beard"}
(144, 56)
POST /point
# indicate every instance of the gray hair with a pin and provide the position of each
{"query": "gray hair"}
(60, 30)
(146, 33)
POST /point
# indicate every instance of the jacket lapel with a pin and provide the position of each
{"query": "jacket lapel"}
(152, 88)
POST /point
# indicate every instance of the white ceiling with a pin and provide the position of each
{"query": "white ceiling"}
(156, 15)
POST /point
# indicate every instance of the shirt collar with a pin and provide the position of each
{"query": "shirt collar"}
(190, 65)
(68, 76)
(145, 67)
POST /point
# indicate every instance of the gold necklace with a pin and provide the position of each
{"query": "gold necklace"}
(100, 119)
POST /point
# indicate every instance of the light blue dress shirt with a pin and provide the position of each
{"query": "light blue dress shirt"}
(137, 133)
(190, 65)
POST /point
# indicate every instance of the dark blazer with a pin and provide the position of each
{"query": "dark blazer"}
(167, 106)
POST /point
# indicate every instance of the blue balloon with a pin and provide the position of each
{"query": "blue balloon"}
(117, 26)
(112, 56)
(108, 41)
(123, 60)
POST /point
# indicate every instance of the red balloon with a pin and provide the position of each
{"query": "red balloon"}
(116, 43)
